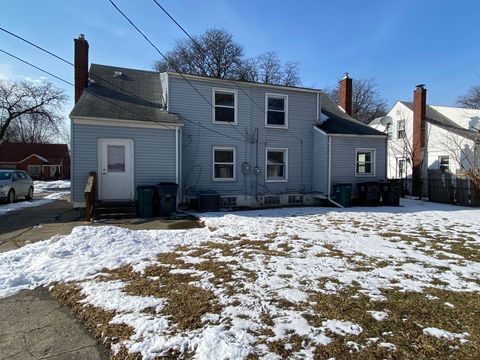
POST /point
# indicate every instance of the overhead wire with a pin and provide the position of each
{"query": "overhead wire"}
(101, 78)
(173, 65)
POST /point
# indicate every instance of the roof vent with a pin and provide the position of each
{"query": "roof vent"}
(117, 74)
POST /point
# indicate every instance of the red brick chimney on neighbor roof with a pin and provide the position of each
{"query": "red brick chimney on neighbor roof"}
(81, 65)
(418, 138)
(345, 94)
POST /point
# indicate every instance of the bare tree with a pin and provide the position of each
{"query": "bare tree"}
(29, 111)
(367, 104)
(471, 99)
(216, 54)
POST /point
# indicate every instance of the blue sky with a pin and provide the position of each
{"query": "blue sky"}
(399, 43)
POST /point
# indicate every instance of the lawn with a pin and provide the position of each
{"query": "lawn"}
(284, 283)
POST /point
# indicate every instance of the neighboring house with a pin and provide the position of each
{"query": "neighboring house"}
(41, 161)
(254, 144)
(424, 137)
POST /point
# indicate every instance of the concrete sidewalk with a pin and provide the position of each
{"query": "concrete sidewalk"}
(36, 326)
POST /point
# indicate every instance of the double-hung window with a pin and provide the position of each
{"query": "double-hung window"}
(365, 162)
(225, 106)
(223, 163)
(276, 164)
(276, 110)
(400, 129)
(401, 168)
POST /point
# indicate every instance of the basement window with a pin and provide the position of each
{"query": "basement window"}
(295, 199)
(229, 202)
(272, 200)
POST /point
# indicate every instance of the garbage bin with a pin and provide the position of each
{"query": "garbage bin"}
(369, 193)
(167, 198)
(343, 194)
(391, 193)
(145, 195)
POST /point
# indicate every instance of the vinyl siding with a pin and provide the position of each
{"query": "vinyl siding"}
(320, 162)
(199, 142)
(343, 159)
(154, 154)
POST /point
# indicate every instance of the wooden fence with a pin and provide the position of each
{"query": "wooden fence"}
(445, 187)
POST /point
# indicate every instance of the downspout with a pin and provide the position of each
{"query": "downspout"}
(330, 172)
(386, 159)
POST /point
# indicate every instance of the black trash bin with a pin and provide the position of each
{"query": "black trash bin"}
(391, 193)
(167, 198)
(343, 194)
(145, 198)
(369, 193)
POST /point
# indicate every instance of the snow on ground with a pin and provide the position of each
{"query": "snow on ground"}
(439, 333)
(51, 186)
(55, 190)
(272, 256)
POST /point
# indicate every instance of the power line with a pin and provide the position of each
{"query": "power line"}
(101, 78)
(168, 61)
(204, 53)
(36, 67)
(34, 45)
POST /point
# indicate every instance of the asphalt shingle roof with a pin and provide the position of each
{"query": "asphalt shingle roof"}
(436, 118)
(15, 152)
(339, 122)
(125, 94)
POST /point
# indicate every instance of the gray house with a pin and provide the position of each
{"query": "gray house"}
(254, 144)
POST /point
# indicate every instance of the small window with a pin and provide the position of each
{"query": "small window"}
(401, 168)
(277, 165)
(229, 202)
(444, 162)
(365, 162)
(272, 200)
(224, 163)
(34, 170)
(295, 199)
(401, 129)
(276, 110)
(225, 105)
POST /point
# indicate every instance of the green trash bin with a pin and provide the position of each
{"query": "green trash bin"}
(145, 197)
(343, 194)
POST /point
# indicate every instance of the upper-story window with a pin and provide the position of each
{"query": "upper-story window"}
(389, 131)
(400, 129)
(276, 110)
(224, 106)
(444, 162)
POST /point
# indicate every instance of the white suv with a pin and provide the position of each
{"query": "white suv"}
(15, 184)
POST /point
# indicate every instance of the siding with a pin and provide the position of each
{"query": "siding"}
(343, 159)
(154, 154)
(320, 162)
(198, 142)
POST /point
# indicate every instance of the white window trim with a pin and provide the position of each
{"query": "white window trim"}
(399, 129)
(286, 110)
(357, 150)
(285, 150)
(235, 107)
(37, 166)
(440, 163)
(398, 159)
(234, 163)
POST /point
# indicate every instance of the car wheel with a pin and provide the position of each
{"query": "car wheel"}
(30, 194)
(11, 196)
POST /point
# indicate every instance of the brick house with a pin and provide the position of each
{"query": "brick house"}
(41, 161)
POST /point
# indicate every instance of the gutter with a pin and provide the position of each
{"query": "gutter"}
(330, 172)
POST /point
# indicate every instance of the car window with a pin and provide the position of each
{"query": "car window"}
(15, 176)
(22, 175)
(6, 175)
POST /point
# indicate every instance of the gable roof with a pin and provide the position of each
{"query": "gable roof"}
(17, 152)
(434, 117)
(339, 122)
(124, 94)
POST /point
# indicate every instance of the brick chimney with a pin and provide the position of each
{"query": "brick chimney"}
(418, 138)
(81, 65)
(345, 94)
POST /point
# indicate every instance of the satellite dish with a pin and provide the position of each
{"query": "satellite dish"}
(386, 120)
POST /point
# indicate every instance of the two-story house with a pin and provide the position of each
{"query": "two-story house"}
(428, 137)
(254, 144)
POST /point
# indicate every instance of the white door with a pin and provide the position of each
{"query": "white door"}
(115, 169)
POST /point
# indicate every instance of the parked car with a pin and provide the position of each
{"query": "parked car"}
(14, 184)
